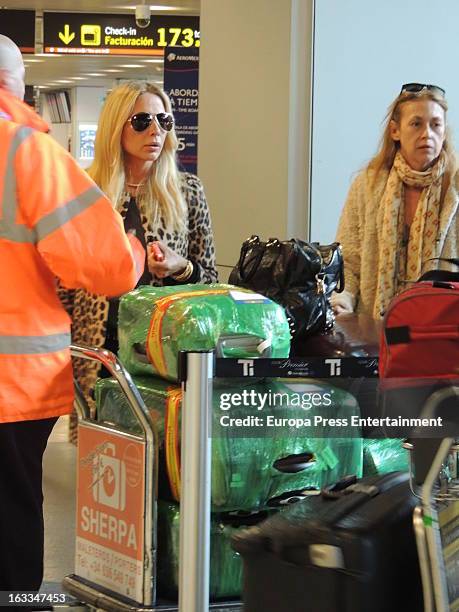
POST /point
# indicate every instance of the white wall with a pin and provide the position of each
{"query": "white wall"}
(245, 135)
(61, 132)
(86, 105)
(364, 51)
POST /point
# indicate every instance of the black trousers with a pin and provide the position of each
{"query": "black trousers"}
(22, 446)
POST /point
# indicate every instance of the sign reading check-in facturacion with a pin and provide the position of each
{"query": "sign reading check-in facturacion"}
(103, 34)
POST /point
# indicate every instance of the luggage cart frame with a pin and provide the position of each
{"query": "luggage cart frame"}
(426, 517)
(196, 373)
(195, 490)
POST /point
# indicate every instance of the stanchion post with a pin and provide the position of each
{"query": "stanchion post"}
(195, 482)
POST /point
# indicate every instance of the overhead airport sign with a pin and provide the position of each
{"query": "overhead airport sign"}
(101, 34)
(20, 27)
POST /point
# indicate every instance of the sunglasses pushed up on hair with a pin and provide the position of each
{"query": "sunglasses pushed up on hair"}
(418, 87)
(141, 121)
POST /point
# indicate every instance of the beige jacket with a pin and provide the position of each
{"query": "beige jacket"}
(359, 233)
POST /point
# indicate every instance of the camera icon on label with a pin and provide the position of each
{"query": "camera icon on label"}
(90, 35)
(109, 485)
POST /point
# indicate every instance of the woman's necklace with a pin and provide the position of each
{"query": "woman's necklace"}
(134, 184)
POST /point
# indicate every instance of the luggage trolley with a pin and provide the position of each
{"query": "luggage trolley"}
(116, 536)
(434, 478)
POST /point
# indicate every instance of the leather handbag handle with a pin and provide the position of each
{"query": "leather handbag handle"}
(246, 276)
(323, 300)
(340, 286)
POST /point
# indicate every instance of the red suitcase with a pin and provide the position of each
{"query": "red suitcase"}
(419, 352)
(420, 337)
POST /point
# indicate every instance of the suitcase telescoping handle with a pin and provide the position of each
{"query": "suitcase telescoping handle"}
(235, 345)
(240, 345)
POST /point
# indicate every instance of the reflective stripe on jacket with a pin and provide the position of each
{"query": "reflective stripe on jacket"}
(54, 222)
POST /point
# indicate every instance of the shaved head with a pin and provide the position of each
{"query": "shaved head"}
(11, 67)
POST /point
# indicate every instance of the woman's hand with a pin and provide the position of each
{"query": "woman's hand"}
(342, 303)
(172, 263)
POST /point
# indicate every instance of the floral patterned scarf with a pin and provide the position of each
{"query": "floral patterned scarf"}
(393, 260)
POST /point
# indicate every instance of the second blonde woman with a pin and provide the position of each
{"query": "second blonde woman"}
(135, 165)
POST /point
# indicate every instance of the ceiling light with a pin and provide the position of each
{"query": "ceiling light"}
(155, 7)
(78, 78)
(48, 54)
(153, 61)
(63, 81)
(95, 74)
(32, 61)
(132, 66)
(112, 70)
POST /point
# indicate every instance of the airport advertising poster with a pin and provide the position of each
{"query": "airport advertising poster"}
(181, 83)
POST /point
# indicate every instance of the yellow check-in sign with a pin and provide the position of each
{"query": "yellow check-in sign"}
(90, 35)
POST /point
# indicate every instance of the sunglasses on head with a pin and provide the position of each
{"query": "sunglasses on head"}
(418, 87)
(141, 121)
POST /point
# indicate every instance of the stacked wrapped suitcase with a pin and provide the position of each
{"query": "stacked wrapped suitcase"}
(250, 468)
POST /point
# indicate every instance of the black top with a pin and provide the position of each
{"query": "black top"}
(133, 221)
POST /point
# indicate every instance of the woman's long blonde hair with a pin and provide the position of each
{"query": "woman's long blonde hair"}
(162, 189)
(388, 148)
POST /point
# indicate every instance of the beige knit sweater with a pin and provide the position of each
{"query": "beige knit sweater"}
(359, 234)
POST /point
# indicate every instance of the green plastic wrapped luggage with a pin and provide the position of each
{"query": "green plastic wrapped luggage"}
(225, 580)
(383, 455)
(303, 444)
(155, 323)
(251, 463)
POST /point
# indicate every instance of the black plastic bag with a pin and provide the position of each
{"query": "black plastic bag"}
(298, 275)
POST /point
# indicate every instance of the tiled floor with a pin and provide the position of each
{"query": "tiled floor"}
(59, 491)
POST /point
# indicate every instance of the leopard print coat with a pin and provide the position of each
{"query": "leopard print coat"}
(89, 312)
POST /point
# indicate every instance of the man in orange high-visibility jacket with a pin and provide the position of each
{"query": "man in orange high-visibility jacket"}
(54, 223)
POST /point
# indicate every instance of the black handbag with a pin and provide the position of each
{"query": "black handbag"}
(298, 275)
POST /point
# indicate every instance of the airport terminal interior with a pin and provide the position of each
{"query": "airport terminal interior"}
(174, 495)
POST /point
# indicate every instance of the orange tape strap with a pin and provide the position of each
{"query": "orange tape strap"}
(154, 337)
(171, 440)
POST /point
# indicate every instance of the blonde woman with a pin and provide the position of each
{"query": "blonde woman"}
(402, 209)
(135, 165)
